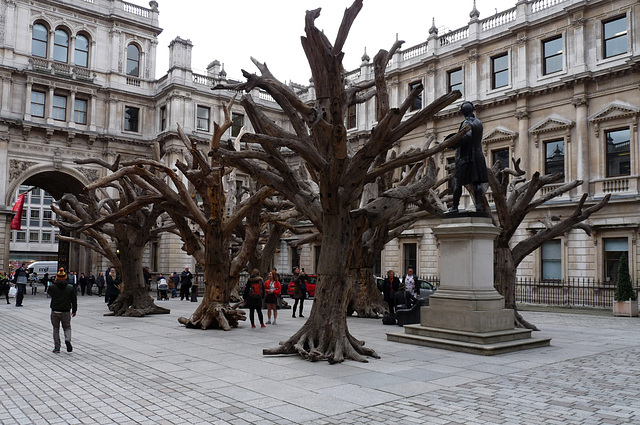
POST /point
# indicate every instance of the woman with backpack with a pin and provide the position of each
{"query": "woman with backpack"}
(253, 295)
(272, 288)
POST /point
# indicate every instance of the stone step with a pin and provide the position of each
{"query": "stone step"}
(468, 347)
(471, 337)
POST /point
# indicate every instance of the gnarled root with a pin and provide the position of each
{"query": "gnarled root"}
(522, 323)
(324, 341)
(135, 303)
(214, 316)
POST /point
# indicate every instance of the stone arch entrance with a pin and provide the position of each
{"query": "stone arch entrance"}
(56, 181)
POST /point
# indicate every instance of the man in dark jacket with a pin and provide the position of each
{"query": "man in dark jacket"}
(389, 288)
(20, 278)
(64, 304)
(185, 283)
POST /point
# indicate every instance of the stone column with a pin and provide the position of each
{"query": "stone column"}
(49, 106)
(27, 102)
(582, 133)
(71, 110)
(522, 147)
(92, 113)
(6, 95)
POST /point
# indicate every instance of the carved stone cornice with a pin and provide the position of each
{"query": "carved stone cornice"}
(499, 134)
(90, 174)
(17, 167)
(521, 114)
(578, 101)
(552, 124)
(615, 111)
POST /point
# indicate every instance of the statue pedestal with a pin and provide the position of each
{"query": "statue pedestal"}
(466, 313)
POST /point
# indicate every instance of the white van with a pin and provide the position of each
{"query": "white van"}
(42, 267)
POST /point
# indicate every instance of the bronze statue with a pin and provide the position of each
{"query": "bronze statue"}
(470, 166)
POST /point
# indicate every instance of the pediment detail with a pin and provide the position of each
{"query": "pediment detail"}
(614, 111)
(552, 123)
(499, 134)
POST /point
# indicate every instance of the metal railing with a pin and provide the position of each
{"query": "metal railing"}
(576, 292)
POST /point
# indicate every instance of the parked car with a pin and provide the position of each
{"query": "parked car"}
(312, 279)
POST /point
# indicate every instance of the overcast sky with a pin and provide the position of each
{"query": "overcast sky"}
(270, 30)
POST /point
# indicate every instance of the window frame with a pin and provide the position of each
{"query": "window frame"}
(235, 128)
(43, 105)
(133, 71)
(608, 262)
(352, 117)
(79, 112)
(493, 156)
(550, 260)
(414, 104)
(627, 153)
(495, 73)
(129, 121)
(450, 87)
(615, 36)
(57, 109)
(163, 117)
(44, 42)
(200, 119)
(546, 143)
(34, 214)
(85, 52)
(546, 59)
(58, 48)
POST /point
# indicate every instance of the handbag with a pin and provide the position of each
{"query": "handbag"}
(13, 292)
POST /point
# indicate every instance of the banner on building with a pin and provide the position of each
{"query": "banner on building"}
(16, 223)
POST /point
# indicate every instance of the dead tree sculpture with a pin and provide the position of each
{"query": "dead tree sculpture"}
(118, 228)
(514, 200)
(319, 139)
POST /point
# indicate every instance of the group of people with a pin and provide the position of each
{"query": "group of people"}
(256, 290)
(400, 294)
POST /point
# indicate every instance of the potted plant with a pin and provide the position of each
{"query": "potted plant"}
(625, 300)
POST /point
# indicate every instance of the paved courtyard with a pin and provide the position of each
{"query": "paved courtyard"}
(154, 371)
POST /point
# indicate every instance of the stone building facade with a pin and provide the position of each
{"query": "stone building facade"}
(555, 83)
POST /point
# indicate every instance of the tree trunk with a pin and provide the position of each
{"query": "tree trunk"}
(504, 272)
(134, 300)
(319, 338)
(365, 299)
(214, 312)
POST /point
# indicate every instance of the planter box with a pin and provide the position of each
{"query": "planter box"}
(625, 308)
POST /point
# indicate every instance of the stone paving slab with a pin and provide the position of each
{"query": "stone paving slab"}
(152, 370)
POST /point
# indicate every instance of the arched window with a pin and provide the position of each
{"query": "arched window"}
(39, 41)
(61, 46)
(133, 60)
(81, 57)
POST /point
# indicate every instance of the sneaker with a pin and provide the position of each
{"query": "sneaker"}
(262, 325)
(56, 349)
(253, 326)
(69, 347)
(274, 322)
(268, 322)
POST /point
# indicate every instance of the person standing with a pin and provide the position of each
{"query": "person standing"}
(4, 285)
(411, 282)
(100, 283)
(20, 278)
(299, 290)
(83, 283)
(113, 280)
(253, 295)
(176, 283)
(162, 287)
(64, 305)
(91, 280)
(389, 288)
(272, 289)
(185, 283)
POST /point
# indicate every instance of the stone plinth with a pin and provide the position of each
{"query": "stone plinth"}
(466, 313)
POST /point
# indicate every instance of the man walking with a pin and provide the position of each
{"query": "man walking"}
(20, 278)
(64, 304)
(185, 283)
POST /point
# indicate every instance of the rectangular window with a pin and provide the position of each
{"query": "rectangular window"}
(46, 216)
(37, 104)
(237, 123)
(23, 219)
(613, 249)
(131, 116)
(455, 80)
(501, 155)
(34, 220)
(500, 71)
(551, 260)
(351, 116)
(34, 237)
(203, 118)
(35, 196)
(410, 257)
(80, 111)
(46, 237)
(417, 102)
(59, 107)
(48, 199)
(615, 36)
(295, 256)
(552, 55)
(21, 236)
(554, 157)
(618, 152)
(163, 118)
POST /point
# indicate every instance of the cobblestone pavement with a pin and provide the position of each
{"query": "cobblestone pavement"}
(152, 370)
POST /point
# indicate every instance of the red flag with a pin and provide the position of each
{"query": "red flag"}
(16, 223)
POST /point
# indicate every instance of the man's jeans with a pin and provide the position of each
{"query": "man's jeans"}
(65, 318)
